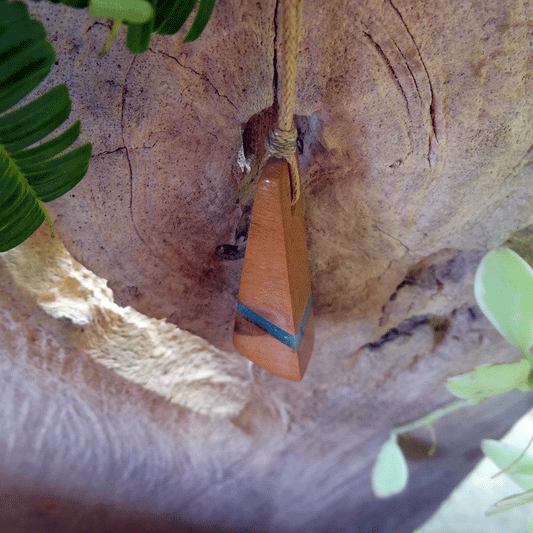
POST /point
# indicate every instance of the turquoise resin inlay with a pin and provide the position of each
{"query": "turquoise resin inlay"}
(292, 341)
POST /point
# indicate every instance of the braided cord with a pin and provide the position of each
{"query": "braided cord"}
(290, 46)
(281, 141)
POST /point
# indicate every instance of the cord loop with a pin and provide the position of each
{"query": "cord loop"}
(282, 144)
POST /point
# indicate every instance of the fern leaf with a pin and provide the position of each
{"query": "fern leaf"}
(200, 21)
(171, 15)
(31, 175)
(25, 56)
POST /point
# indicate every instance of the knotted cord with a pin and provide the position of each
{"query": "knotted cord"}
(281, 141)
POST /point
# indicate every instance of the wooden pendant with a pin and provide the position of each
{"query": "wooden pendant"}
(274, 325)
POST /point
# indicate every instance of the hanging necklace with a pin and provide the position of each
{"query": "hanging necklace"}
(274, 324)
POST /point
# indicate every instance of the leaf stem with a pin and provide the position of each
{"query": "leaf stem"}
(434, 416)
(47, 218)
(112, 35)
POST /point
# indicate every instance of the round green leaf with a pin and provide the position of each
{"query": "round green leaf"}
(135, 11)
(390, 473)
(503, 287)
(489, 380)
(139, 36)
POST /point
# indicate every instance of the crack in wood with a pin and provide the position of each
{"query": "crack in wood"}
(109, 152)
(122, 122)
(275, 58)
(389, 66)
(409, 69)
(432, 105)
(391, 237)
(203, 76)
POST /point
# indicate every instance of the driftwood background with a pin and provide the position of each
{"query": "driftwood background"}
(417, 127)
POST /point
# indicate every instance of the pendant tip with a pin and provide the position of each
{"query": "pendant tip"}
(271, 353)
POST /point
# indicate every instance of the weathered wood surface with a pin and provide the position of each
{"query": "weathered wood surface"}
(416, 119)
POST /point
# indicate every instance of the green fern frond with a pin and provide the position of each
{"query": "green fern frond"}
(31, 175)
(169, 18)
(170, 15)
(144, 17)
(200, 21)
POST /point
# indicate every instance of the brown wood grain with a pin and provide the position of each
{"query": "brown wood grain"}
(275, 281)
